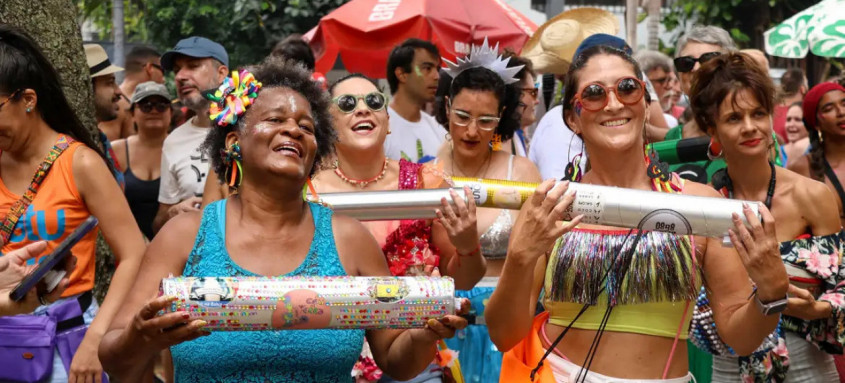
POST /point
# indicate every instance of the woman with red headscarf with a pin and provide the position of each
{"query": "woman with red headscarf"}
(824, 117)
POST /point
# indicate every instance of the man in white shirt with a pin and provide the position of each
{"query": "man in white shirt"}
(199, 65)
(413, 74)
(554, 145)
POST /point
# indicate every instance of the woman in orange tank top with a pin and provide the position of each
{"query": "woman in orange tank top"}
(35, 117)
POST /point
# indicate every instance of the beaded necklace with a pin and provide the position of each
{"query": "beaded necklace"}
(360, 183)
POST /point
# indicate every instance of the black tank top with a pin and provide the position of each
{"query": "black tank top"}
(143, 198)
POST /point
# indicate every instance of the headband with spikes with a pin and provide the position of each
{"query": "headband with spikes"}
(486, 57)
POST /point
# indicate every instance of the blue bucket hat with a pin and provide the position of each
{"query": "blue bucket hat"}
(197, 47)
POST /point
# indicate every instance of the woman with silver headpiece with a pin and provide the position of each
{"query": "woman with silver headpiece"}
(480, 110)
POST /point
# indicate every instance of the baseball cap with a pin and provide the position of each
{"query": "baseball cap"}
(147, 89)
(602, 39)
(98, 61)
(195, 46)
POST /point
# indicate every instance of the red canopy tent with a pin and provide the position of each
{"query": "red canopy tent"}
(364, 31)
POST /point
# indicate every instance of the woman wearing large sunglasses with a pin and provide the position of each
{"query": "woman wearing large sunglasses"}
(700, 44)
(140, 154)
(480, 110)
(412, 247)
(582, 269)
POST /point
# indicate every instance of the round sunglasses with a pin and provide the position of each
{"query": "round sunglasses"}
(685, 63)
(594, 97)
(347, 103)
(148, 106)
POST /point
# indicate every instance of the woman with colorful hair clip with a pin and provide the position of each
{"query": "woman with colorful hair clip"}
(618, 302)
(272, 130)
(732, 99)
(411, 247)
(481, 110)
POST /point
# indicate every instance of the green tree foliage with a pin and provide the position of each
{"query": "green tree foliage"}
(746, 20)
(247, 28)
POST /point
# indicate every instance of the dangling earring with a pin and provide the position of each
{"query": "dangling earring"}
(657, 170)
(572, 172)
(232, 159)
(711, 147)
(496, 144)
(449, 140)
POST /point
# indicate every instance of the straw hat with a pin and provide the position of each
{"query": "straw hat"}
(98, 61)
(550, 49)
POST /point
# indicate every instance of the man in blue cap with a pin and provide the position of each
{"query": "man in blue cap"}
(553, 148)
(199, 65)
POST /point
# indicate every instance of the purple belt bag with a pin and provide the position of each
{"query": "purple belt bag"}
(26, 348)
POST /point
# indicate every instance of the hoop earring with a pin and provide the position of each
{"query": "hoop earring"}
(232, 160)
(714, 145)
(572, 172)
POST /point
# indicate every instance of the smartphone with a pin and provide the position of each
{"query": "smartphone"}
(51, 261)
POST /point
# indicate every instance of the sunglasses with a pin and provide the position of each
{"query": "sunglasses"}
(348, 102)
(532, 91)
(11, 96)
(485, 123)
(594, 97)
(147, 107)
(685, 63)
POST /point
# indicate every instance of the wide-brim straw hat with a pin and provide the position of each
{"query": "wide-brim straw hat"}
(551, 47)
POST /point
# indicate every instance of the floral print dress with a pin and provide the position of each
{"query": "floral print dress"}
(813, 263)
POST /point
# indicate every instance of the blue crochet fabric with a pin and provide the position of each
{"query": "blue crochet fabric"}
(266, 356)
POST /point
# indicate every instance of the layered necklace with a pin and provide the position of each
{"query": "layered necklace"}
(360, 183)
(769, 193)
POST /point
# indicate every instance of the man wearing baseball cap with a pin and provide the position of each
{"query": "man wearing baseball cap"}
(199, 65)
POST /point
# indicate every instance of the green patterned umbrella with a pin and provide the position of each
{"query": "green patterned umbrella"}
(820, 29)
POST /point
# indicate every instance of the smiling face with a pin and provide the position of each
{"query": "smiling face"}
(795, 124)
(106, 97)
(831, 113)
(470, 140)
(528, 99)
(278, 136)
(363, 128)
(616, 127)
(694, 49)
(743, 126)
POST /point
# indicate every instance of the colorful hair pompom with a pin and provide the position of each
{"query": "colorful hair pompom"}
(233, 97)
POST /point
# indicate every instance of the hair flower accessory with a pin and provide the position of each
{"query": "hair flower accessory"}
(231, 99)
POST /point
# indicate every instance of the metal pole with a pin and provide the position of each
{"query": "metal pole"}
(119, 37)
(631, 23)
(553, 8)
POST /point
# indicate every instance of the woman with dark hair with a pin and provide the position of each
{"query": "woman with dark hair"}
(41, 135)
(268, 153)
(824, 116)
(797, 135)
(626, 326)
(733, 100)
(411, 247)
(481, 112)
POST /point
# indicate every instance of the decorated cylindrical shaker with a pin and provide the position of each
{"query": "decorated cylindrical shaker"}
(299, 303)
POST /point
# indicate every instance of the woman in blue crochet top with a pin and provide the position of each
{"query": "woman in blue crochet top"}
(269, 151)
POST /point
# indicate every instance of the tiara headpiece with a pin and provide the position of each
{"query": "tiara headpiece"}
(487, 57)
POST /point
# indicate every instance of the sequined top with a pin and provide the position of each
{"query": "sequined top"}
(494, 241)
(266, 356)
(409, 249)
(649, 288)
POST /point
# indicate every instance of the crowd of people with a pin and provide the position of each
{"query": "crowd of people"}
(219, 193)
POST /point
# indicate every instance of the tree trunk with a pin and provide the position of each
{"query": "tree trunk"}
(631, 10)
(119, 37)
(53, 25)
